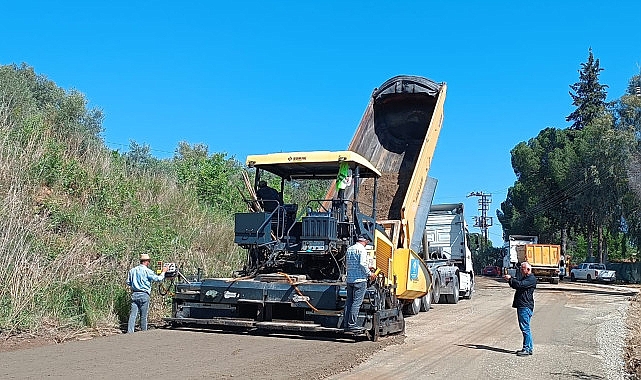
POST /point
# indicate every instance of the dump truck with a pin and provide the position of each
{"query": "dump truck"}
(447, 253)
(510, 251)
(546, 259)
(294, 276)
(398, 134)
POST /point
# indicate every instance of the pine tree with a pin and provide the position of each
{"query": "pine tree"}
(589, 95)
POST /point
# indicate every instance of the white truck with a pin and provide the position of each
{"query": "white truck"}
(511, 254)
(447, 255)
(593, 272)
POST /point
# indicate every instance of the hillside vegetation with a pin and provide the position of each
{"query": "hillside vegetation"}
(74, 216)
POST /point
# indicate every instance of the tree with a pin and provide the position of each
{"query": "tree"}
(589, 95)
(214, 178)
(537, 204)
(604, 154)
(139, 158)
(628, 108)
(30, 96)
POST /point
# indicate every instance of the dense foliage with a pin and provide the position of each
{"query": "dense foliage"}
(74, 216)
(579, 187)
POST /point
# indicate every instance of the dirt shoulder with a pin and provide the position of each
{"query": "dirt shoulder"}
(633, 339)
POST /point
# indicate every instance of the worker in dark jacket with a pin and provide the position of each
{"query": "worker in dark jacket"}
(271, 197)
(524, 304)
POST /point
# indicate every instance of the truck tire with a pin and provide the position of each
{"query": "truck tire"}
(426, 301)
(589, 278)
(413, 307)
(572, 278)
(454, 297)
(436, 292)
(554, 280)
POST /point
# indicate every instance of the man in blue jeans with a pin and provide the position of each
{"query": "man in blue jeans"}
(139, 280)
(524, 304)
(358, 272)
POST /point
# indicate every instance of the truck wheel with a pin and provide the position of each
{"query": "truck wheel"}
(426, 301)
(413, 307)
(572, 278)
(555, 280)
(589, 279)
(436, 292)
(454, 297)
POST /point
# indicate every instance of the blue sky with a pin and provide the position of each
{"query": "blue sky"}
(252, 77)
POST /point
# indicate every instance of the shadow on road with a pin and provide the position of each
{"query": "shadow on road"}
(488, 348)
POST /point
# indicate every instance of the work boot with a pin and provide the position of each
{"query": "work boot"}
(355, 330)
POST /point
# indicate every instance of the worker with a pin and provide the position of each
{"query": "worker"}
(343, 181)
(358, 272)
(139, 280)
(524, 286)
(270, 197)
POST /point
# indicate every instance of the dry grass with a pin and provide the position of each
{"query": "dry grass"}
(39, 264)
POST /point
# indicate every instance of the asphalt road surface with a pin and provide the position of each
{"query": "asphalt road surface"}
(578, 333)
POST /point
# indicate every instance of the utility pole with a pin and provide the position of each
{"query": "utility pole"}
(483, 222)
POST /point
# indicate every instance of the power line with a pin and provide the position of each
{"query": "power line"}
(483, 222)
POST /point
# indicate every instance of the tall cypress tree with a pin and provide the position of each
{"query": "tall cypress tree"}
(588, 95)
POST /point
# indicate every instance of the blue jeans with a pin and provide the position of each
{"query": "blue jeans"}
(355, 295)
(525, 314)
(139, 302)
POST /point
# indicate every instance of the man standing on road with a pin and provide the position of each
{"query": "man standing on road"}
(524, 304)
(358, 272)
(139, 280)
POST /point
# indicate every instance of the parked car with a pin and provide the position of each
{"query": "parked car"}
(592, 272)
(491, 270)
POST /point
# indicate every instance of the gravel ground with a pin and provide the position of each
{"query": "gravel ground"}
(579, 334)
(611, 342)
(632, 355)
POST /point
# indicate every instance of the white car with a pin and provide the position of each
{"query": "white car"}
(593, 272)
